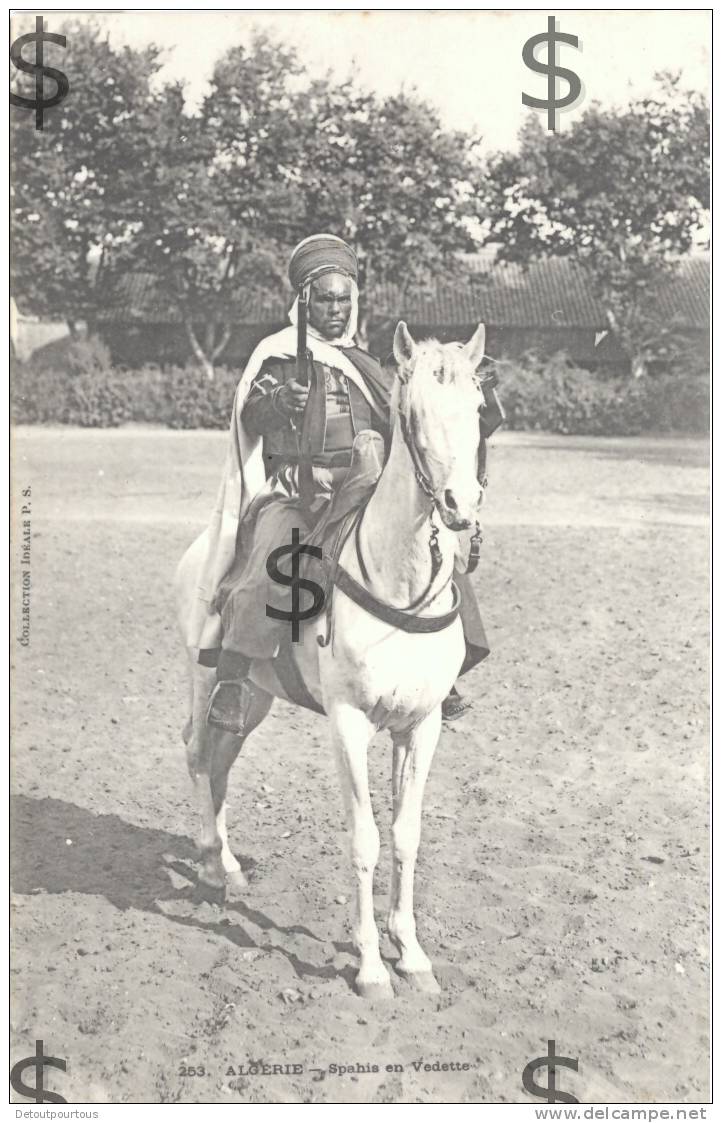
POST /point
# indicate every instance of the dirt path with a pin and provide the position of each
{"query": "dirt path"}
(563, 872)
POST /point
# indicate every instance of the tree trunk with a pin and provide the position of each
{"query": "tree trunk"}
(221, 344)
(637, 362)
(639, 366)
(205, 362)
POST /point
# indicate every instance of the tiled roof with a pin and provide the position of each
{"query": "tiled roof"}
(551, 294)
(138, 298)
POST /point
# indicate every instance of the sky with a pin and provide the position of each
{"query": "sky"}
(468, 63)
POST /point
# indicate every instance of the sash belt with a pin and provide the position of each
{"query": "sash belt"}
(397, 617)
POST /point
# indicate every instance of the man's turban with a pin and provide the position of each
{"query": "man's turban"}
(319, 254)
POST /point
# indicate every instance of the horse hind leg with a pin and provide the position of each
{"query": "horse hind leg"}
(210, 754)
(226, 750)
(413, 754)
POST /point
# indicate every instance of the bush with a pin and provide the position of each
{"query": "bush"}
(190, 401)
(178, 397)
(76, 356)
(94, 400)
(36, 396)
(550, 395)
(555, 396)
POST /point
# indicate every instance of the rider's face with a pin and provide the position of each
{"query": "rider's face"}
(329, 304)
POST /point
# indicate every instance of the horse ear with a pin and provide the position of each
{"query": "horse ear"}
(474, 349)
(404, 346)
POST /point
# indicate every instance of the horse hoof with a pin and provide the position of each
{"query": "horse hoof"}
(208, 893)
(236, 883)
(375, 991)
(423, 981)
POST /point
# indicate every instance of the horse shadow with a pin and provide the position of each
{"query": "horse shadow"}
(58, 847)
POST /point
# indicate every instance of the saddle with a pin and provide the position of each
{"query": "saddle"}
(325, 540)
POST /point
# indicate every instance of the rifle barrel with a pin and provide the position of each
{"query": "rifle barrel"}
(301, 361)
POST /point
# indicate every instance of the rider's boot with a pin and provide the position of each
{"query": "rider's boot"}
(226, 708)
(453, 705)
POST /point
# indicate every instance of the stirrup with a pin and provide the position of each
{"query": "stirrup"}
(227, 707)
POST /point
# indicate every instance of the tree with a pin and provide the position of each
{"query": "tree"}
(386, 176)
(622, 192)
(74, 183)
(273, 157)
(223, 202)
(124, 179)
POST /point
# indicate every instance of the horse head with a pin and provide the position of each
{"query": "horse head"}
(437, 397)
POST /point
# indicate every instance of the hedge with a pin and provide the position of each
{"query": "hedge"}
(546, 395)
(557, 397)
(177, 397)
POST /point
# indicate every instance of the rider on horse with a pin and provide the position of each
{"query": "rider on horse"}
(270, 413)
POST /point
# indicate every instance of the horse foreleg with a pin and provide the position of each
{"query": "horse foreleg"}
(351, 732)
(413, 754)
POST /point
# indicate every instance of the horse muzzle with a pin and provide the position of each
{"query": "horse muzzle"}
(457, 515)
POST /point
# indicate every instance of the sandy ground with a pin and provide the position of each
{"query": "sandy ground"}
(562, 881)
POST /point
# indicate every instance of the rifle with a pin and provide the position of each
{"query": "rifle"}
(309, 437)
(301, 351)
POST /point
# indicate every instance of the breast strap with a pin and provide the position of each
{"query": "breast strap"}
(396, 617)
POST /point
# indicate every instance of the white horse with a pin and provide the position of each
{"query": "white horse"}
(375, 674)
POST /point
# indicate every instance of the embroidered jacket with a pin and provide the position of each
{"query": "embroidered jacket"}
(346, 412)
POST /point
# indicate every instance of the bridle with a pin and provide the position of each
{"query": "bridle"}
(406, 618)
(423, 479)
(423, 476)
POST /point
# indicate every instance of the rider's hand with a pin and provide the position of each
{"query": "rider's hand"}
(292, 397)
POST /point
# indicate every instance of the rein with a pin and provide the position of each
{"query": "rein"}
(396, 617)
(436, 560)
(401, 618)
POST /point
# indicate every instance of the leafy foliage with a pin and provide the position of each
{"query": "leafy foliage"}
(212, 202)
(555, 396)
(623, 192)
(124, 177)
(386, 176)
(75, 182)
(541, 394)
(79, 356)
(218, 204)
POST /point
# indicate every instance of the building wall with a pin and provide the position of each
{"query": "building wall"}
(29, 335)
(166, 344)
(133, 345)
(514, 342)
